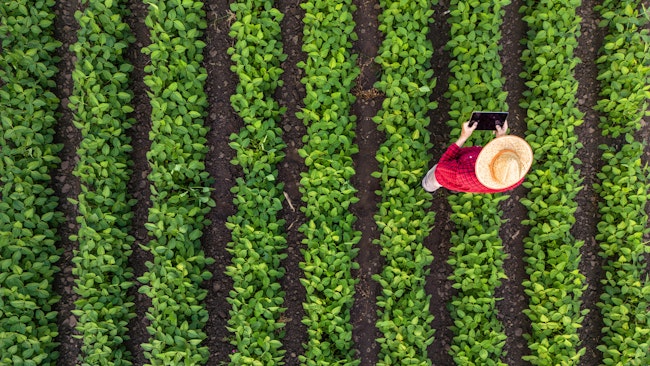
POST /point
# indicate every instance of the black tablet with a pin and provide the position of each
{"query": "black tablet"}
(488, 120)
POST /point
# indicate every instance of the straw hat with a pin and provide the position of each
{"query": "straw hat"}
(503, 162)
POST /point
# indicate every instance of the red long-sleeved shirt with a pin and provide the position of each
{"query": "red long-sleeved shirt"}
(455, 171)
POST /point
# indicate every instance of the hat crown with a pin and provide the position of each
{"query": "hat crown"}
(506, 167)
(503, 162)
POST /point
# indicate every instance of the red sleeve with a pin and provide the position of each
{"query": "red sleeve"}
(448, 166)
(451, 153)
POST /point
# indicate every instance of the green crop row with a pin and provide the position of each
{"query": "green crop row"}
(624, 67)
(258, 239)
(624, 74)
(100, 102)
(555, 285)
(180, 186)
(402, 219)
(329, 72)
(477, 256)
(626, 297)
(28, 219)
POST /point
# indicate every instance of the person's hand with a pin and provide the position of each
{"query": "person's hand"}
(502, 130)
(465, 133)
(467, 130)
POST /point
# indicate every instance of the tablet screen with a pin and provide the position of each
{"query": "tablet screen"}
(488, 120)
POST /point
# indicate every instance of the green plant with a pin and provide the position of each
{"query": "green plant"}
(402, 219)
(28, 216)
(258, 240)
(180, 186)
(624, 68)
(329, 72)
(624, 72)
(477, 252)
(101, 102)
(555, 284)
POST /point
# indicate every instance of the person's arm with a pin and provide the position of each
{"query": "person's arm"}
(448, 158)
(465, 133)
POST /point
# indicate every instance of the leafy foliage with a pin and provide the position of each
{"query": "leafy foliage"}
(477, 252)
(258, 241)
(407, 81)
(555, 285)
(626, 297)
(329, 71)
(28, 219)
(624, 68)
(180, 186)
(624, 74)
(100, 102)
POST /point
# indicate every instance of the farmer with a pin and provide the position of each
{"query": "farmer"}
(499, 166)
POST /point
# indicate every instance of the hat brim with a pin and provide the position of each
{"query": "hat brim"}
(508, 142)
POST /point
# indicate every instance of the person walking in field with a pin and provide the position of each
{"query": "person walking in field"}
(499, 166)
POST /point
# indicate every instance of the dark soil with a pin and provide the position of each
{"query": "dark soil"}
(364, 312)
(223, 121)
(290, 96)
(437, 283)
(585, 229)
(139, 186)
(66, 185)
(514, 300)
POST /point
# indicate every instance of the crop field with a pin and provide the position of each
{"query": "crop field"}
(238, 183)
